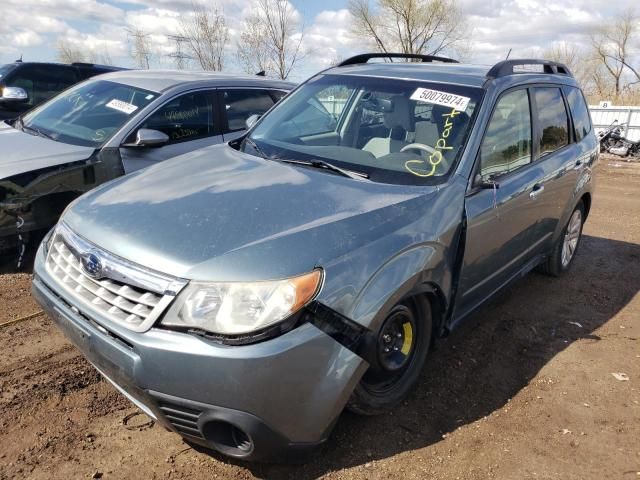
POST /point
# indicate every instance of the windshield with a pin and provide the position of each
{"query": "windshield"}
(89, 114)
(394, 131)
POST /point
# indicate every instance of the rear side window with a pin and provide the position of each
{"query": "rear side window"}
(579, 113)
(240, 104)
(277, 94)
(553, 121)
(507, 143)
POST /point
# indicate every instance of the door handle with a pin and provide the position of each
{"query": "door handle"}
(537, 190)
(578, 165)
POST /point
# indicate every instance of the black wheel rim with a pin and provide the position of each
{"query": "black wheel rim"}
(394, 351)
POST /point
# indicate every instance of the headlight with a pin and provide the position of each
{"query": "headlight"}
(237, 308)
(47, 240)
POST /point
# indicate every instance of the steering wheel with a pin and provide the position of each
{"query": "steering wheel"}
(418, 146)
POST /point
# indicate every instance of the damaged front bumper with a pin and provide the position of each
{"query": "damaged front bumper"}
(264, 400)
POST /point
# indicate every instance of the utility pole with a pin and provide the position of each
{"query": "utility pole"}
(140, 50)
(181, 58)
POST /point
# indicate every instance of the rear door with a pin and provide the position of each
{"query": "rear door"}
(557, 156)
(188, 119)
(502, 234)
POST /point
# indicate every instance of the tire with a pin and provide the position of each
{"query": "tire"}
(558, 262)
(390, 378)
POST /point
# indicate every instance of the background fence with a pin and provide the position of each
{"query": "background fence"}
(605, 116)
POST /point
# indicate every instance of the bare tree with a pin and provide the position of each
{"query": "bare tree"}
(66, 52)
(140, 47)
(207, 35)
(579, 62)
(611, 46)
(275, 33)
(410, 26)
(252, 49)
(102, 56)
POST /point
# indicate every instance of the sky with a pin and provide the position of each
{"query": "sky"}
(31, 27)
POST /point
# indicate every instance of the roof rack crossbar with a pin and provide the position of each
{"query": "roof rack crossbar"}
(365, 57)
(506, 67)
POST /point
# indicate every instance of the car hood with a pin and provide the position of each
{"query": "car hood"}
(22, 152)
(220, 214)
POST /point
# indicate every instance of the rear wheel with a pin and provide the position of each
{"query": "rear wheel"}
(567, 245)
(396, 356)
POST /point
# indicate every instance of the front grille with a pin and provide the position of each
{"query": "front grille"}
(123, 293)
(183, 419)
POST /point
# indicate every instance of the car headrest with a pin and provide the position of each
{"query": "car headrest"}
(400, 115)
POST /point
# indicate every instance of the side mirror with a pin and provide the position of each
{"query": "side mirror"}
(146, 137)
(482, 183)
(250, 122)
(14, 95)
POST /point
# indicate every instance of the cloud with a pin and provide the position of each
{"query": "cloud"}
(93, 10)
(329, 37)
(494, 26)
(27, 39)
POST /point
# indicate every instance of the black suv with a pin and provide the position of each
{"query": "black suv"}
(24, 85)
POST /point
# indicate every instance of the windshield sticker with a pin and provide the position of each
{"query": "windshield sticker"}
(417, 167)
(121, 106)
(437, 97)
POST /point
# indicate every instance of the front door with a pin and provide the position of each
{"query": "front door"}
(189, 122)
(502, 222)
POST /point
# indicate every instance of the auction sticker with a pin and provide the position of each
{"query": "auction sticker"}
(121, 106)
(437, 97)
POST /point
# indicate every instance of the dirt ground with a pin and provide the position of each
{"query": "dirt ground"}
(524, 390)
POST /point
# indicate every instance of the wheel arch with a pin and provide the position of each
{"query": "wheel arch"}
(425, 285)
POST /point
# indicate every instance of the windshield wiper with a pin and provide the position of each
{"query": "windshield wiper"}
(38, 132)
(255, 146)
(327, 166)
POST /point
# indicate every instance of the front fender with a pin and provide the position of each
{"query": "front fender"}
(417, 255)
(420, 269)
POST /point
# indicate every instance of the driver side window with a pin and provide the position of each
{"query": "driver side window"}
(507, 142)
(184, 118)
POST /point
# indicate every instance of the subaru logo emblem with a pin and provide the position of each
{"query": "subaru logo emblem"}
(92, 265)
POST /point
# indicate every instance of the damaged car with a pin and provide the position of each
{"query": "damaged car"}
(110, 126)
(244, 295)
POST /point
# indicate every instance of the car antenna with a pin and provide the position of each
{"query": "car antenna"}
(508, 53)
(20, 59)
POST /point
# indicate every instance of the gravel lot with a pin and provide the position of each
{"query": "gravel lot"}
(524, 390)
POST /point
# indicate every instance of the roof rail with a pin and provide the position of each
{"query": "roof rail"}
(365, 57)
(510, 67)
